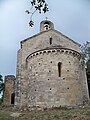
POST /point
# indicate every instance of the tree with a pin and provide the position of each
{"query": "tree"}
(85, 48)
(38, 5)
(88, 74)
(1, 88)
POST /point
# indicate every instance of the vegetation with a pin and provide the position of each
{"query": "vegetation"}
(51, 114)
(38, 5)
(86, 56)
(1, 89)
(85, 49)
(88, 74)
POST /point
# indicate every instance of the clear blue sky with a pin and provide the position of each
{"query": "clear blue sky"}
(71, 17)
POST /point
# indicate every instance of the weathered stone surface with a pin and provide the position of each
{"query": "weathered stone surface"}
(9, 89)
(15, 114)
(50, 71)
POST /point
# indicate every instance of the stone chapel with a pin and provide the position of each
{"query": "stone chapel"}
(50, 72)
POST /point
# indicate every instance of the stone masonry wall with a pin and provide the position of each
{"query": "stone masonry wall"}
(18, 78)
(37, 81)
(9, 89)
(46, 88)
(42, 41)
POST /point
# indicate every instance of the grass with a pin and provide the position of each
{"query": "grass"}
(52, 114)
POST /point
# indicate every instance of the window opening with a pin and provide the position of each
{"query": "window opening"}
(46, 26)
(59, 69)
(50, 40)
(12, 98)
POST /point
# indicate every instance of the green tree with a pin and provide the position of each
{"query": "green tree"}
(88, 74)
(85, 48)
(37, 5)
(1, 88)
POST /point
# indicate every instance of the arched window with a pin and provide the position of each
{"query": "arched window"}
(59, 69)
(46, 26)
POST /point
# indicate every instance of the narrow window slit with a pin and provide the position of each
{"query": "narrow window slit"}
(50, 40)
(59, 69)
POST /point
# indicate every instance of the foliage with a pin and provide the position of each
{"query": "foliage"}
(38, 5)
(88, 66)
(86, 56)
(88, 74)
(1, 100)
(1, 84)
(85, 49)
(1, 88)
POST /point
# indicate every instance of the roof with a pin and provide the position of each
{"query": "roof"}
(47, 31)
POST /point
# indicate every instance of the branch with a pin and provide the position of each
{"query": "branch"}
(38, 5)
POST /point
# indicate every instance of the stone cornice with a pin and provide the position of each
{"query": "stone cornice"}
(55, 50)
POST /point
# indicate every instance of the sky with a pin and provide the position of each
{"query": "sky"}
(71, 17)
